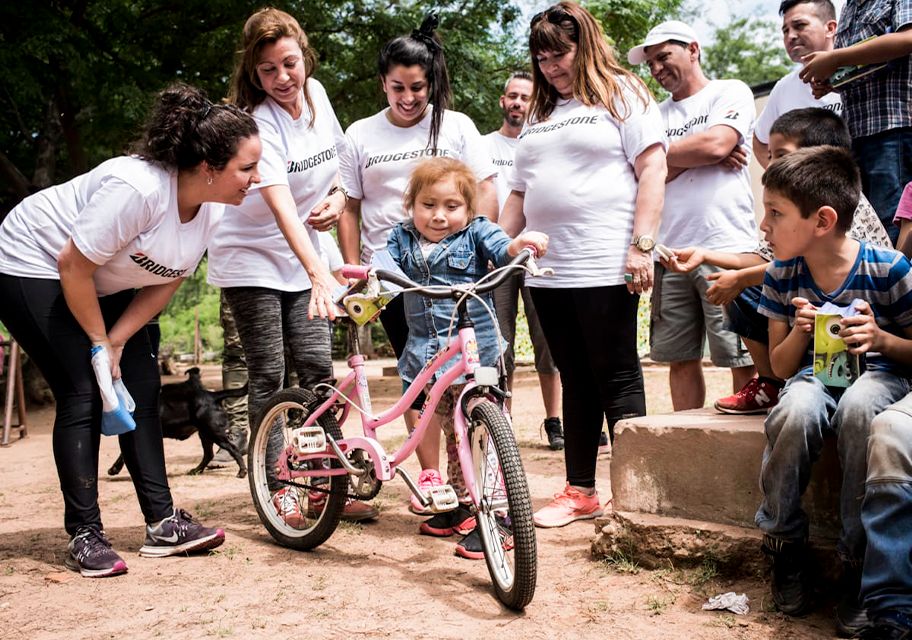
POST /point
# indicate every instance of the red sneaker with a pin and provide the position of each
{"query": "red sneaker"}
(755, 397)
(568, 506)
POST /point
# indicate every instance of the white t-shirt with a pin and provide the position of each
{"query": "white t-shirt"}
(379, 159)
(790, 93)
(577, 172)
(503, 151)
(122, 216)
(329, 251)
(710, 206)
(248, 249)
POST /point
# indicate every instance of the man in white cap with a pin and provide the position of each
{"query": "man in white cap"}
(807, 26)
(708, 203)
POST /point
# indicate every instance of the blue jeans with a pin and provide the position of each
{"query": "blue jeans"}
(885, 161)
(795, 428)
(886, 583)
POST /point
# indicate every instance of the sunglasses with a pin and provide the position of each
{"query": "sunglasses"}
(555, 15)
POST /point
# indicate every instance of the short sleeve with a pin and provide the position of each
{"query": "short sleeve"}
(769, 114)
(475, 151)
(112, 218)
(773, 304)
(904, 208)
(903, 14)
(733, 106)
(330, 251)
(274, 161)
(350, 164)
(642, 128)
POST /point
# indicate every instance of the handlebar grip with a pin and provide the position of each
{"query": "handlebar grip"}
(357, 272)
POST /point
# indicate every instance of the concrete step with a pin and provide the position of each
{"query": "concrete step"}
(703, 465)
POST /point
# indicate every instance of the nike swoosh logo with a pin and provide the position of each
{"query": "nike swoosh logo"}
(172, 538)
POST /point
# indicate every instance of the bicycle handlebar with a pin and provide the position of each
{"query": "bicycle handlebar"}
(440, 292)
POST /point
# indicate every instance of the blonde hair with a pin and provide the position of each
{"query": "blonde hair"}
(599, 78)
(263, 28)
(434, 170)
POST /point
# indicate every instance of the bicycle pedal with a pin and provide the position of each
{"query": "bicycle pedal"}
(442, 498)
(309, 439)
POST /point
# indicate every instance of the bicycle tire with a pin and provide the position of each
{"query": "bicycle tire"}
(285, 407)
(513, 571)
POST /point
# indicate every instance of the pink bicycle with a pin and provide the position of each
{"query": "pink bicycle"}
(297, 445)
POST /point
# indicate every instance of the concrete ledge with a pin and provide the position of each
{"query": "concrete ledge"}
(705, 466)
(659, 542)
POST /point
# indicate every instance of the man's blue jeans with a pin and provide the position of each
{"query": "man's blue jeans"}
(795, 428)
(886, 584)
(885, 160)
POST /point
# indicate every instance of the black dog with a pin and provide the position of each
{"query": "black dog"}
(188, 408)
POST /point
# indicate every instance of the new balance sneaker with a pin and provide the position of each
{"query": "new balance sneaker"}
(354, 510)
(460, 520)
(288, 505)
(426, 479)
(568, 506)
(470, 545)
(90, 553)
(179, 533)
(555, 433)
(757, 396)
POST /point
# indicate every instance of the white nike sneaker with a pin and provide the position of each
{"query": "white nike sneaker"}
(179, 533)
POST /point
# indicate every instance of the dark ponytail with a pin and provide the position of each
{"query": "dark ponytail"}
(423, 47)
(185, 129)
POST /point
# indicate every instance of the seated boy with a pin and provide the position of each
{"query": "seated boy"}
(886, 583)
(809, 197)
(739, 288)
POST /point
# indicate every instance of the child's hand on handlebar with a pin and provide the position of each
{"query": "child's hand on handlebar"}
(534, 239)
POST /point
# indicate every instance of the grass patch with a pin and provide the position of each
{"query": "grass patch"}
(657, 606)
(619, 562)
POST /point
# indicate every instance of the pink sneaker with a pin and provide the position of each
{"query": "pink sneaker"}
(288, 507)
(754, 397)
(426, 479)
(566, 507)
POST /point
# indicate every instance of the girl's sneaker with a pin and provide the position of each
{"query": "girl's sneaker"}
(426, 479)
(288, 505)
(179, 533)
(568, 506)
(460, 520)
(90, 553)
(470, 546)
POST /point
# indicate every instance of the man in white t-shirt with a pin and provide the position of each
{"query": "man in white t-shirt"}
(708, 202)
(807, 26)
(502, 143)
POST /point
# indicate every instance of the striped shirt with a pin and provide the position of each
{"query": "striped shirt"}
(881, 277)
(882, 100)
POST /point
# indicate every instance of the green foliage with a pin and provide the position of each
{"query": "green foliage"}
(744, 50)
(178, 319)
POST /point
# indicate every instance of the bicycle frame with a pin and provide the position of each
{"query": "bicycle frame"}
(385, 466)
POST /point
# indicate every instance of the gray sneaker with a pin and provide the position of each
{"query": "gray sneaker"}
(179, 533)
(90, 553)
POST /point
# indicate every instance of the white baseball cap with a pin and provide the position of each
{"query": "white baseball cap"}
(670, 30)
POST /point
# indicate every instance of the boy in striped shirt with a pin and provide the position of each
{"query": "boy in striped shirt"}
(809, 197)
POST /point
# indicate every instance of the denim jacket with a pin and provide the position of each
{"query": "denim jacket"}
(459, 258)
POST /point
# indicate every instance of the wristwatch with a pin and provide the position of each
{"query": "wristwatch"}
(644, 242)
(338, 188)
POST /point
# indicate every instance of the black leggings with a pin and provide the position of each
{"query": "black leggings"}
(37, 315)
(592, 336)
(396, 326)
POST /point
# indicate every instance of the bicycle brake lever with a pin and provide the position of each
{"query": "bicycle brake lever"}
(532, 266)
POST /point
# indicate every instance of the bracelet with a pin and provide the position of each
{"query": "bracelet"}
(338, 188)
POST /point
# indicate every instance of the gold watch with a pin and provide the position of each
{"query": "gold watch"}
(644, 243)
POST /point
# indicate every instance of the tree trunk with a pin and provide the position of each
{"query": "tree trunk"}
(46, 157)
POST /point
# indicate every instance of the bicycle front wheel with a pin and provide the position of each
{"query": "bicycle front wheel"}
(299, 512)
(505, 509)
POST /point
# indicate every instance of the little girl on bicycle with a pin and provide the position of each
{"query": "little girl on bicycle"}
(445, 243)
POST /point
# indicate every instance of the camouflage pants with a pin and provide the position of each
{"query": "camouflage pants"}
(445, 411)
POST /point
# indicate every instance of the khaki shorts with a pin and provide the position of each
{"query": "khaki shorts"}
(682, 318)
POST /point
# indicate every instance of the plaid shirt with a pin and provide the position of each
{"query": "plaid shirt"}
(882, 100)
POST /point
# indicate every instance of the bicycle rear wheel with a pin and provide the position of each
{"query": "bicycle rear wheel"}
(302, 512)
(505, 508)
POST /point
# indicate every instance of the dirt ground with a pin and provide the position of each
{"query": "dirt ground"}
(379, 579)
